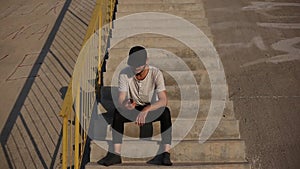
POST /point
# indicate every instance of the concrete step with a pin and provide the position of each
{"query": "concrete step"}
(218, 151)
(200, 77)
(181, 109)
(169, 32)
(167, 64)
(183, 14)
(227, 129)
(189, 165)
(150, 7)
(163, 63)
(184, 109)
(158, 1)
(167, 40)
(182, 92)
(182, 52)
(156, 22)
(174, 30)
(190, 92)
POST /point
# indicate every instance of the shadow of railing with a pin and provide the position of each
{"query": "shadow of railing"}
(31, 137)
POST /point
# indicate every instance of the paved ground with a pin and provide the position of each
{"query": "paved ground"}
(39, 43)
(258, 42)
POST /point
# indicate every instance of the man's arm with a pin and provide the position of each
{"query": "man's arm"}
(162, 102)
(123, 103)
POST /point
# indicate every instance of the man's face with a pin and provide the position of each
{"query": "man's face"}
(138, 70)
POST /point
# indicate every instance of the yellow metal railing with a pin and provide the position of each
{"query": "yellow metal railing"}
(80, 100)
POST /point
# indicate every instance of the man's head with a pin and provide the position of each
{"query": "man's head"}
(137, 59)
(137, 56)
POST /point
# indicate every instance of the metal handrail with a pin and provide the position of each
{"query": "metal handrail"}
(79, 101)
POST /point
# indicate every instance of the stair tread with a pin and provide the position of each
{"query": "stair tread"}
(183, 150)
(237, 165)
(157, 1)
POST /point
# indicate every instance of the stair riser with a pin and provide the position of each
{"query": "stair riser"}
(177, 51)
(186, 151)
(185, 110)
(176, 166)
(169, 65)
(178, 77)
(184, 32)
(225, 130)
(162, 64)
(169, 41)
(182, 92)
(158, 1)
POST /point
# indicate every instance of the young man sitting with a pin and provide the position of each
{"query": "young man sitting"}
(142, 99)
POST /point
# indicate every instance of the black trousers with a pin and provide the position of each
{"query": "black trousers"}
(162, 114)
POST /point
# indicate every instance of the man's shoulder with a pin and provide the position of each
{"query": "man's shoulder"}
(154, 69)
(126, 70)
(126, 73)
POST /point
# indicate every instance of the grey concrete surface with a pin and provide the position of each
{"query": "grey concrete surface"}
(258, 42)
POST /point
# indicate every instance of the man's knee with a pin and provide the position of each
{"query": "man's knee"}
(166, 112)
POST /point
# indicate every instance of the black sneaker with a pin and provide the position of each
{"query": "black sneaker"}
(166, 159)
(110, 159)
(101, 162)
(157, 160)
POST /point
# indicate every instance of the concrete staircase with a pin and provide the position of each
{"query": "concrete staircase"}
(223, 150)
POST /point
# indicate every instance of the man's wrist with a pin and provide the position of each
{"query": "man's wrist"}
(147, 108)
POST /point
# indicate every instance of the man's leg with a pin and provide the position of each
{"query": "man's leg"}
(166, 134)
(146, 131)
(165, 125)
(117, 132)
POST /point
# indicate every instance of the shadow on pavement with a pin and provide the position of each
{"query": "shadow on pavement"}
(32, 135)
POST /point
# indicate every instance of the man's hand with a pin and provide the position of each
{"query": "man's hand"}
(129, 104)
(141, 118)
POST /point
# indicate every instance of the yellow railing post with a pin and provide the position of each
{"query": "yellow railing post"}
(77, 133)
(65, 142)
(111, 12)
(65, 113)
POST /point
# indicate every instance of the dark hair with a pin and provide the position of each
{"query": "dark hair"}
(137, 56)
